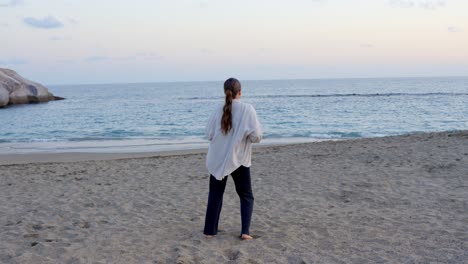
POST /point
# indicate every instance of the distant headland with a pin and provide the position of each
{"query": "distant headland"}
(14, 89)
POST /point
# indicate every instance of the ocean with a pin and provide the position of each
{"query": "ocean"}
(172, 116)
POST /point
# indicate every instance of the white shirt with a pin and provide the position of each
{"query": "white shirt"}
(228, 152)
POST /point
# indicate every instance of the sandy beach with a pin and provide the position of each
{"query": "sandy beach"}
(401, 199)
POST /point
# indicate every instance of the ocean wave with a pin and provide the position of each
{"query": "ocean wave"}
(317, 135)
(346, 134)
(96, 139)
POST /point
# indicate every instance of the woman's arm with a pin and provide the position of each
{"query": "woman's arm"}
(254, 133)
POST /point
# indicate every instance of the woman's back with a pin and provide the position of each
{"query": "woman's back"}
(229, 151)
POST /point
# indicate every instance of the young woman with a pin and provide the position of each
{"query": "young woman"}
(231, 130)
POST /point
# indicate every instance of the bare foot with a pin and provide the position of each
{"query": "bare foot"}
(246, 237)
(208, 236)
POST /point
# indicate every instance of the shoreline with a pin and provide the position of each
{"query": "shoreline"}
(68, 155)
(71, 156)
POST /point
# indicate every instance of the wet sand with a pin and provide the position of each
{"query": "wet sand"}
(400, 199)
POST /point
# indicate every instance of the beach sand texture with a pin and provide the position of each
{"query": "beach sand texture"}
(399, 199)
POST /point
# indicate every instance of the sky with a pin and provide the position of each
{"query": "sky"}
(115, 41)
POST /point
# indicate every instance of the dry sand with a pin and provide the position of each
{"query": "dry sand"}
(384, 200)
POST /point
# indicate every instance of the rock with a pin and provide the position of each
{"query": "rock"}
(4, 96)
(15, 89)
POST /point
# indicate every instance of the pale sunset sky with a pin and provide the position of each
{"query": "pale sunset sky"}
(112, 41)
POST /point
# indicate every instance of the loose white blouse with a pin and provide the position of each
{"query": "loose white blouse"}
(228, 152)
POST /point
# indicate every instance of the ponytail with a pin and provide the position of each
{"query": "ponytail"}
(231, 88)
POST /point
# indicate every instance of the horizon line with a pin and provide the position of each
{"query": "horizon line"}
(279, 79)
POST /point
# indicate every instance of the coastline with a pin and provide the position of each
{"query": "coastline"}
(398, 199)
(49, 152)
(52, 152)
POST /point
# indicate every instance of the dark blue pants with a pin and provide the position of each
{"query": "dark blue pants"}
(241, 177)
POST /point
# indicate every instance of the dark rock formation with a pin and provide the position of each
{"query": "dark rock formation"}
(15, 89)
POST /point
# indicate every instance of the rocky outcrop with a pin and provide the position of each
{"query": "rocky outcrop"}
(4, 96)
(15, 89)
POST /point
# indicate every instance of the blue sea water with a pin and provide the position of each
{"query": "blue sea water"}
(158, 116)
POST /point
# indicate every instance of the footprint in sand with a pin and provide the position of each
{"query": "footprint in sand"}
(232, 254)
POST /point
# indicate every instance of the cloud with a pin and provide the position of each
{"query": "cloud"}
(72, 21)
(97, 58)
(105, 58)
(132, 57)
(10, 3)
(453, 29)
(206, 51)
(57, 38)
(424, 4)
(203, 5)
(48, 22)
(13, 61)
(148, 56)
